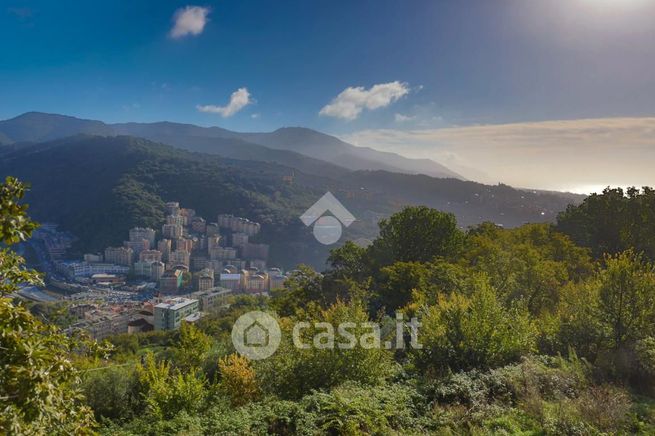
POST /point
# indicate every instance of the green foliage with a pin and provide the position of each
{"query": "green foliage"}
(191, 349)
(38, 380)
(532, 262)
(112, 392)
(400, 281)
(627, 297)
(462, 332)
(487, 301)
(302, 287)
(292, 371)
(238, 380)
(167, 392)
(613, 221)
(15, 225)
(416, 234)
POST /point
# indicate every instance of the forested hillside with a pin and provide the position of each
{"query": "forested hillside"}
(520, 331)
(99, 187)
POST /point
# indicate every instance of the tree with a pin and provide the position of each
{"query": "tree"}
(166, 391)
(613, 221)
(416, 234)
(238, 379)
(39, 391)
(532, 262)
(191, 349)
(627, 297)
(298, 368)
(463, 332)
(303, 286)
(400, 281)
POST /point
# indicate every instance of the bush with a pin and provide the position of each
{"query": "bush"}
(112, 392)
(461, 333)
(293, 372)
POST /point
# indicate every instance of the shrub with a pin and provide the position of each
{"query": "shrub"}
(473, 332)
(238, 380)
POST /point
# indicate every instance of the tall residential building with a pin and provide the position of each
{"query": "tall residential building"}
(119, 255)
(165, 247)
(150, 256)
(142, 269)
(183, 244)
(171, 281)
(176, 219)
(157, 271)
(198, 224)
(220, 253)
(170, 313)
(239, 239)
(179, 257)
(198, 263)
(93, 257)
(237, 224)
(137, 247)
(172, 231)
(139, 233)
(204, 280)
(256, 282)
(276, 280)
(172, 208)
(213, 241)
(211, 298)
(230, 281)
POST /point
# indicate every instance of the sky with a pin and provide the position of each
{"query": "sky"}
(551, 94)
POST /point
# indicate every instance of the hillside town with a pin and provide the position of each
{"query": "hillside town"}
(157, 279)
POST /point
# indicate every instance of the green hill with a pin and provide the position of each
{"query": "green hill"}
(98, 187)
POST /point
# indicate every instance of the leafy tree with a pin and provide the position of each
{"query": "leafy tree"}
(532, 262)
(294, 371)
(191, 349)
(613, 221)
(627, 297)
(167, 392)
(463, 332)
(348, 260)
(38, 382)
(238, 380)
(400, 280)
(111, 391)
(416, 234)
(302, 287)
(580, 325)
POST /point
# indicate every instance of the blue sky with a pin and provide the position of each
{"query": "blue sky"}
(454, 63)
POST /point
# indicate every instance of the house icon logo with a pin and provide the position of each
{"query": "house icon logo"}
(256, 335)
(328, 228)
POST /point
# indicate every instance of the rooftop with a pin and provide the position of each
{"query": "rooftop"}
(175, 303)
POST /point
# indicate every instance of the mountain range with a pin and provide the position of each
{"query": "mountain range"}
(294, 146)
(97, 180)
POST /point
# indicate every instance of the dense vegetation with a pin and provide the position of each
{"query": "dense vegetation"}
(99, 187)
(523, 331)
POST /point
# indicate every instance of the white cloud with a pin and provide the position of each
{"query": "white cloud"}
(189, 20)
(353, 100)
(400, 118)
(255, 116)
(562, 155)
(238, 100)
